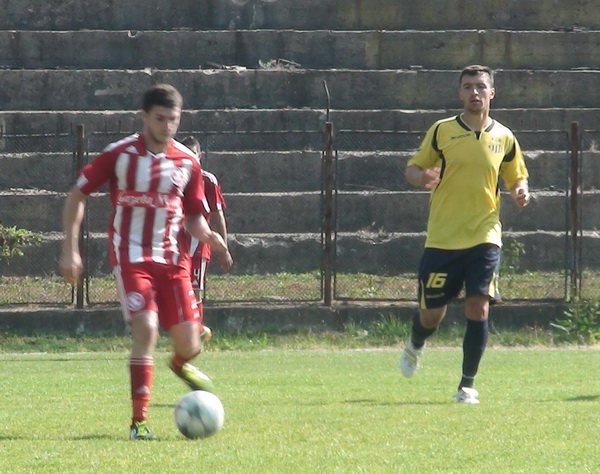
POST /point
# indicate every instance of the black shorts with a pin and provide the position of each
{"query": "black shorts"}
(443, 273)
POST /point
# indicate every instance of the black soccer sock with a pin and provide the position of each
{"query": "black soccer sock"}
(474, 344)
(419, 333)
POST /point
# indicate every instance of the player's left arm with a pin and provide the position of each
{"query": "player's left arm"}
(520, 193)
(218, 223)
(198, 228)
(515, 174)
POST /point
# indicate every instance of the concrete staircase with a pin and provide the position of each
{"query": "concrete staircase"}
(390, 67)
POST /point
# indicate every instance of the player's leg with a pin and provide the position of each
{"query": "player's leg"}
(186, 346)
(180, 317)
(198, 276)
(480, 284)
(139, 311)
(440, 280)
(144, 334)
(425, 323)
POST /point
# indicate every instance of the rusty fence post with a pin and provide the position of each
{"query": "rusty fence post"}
(328, 213)
(575, 224)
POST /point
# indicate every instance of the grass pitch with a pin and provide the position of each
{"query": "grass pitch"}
(322, 411)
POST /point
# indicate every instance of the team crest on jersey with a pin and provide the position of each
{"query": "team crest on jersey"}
(135, 301)
(495, 148)
(179, 177)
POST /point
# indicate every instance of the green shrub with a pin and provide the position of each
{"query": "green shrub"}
(12, 239)
(581, 323)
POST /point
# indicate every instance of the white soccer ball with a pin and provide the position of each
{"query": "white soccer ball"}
(199, 414)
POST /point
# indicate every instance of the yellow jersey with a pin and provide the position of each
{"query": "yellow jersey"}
(464, 208)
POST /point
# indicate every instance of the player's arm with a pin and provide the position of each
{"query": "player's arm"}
(218, 223)
(198, 228)
(427, 178)
(70, 264)
(520, 193)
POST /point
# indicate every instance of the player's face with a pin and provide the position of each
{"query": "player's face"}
(161, 124)
(476, 92)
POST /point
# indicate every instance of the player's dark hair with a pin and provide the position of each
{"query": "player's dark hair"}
(192, 143)
(163, 95)
(474, 70)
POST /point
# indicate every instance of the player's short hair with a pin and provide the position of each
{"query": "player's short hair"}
(163, 95)
(474, 70)
(192, 143)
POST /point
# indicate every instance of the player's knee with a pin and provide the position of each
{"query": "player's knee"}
(477, 307)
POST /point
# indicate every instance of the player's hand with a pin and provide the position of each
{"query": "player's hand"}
(71, 267)
(430, 177)
(225, 260)
(521, 196)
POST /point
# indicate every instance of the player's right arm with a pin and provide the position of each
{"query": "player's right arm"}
(71, 266)
(422, 169)
(427, 178)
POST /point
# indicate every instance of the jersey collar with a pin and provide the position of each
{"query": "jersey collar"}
(466, 127)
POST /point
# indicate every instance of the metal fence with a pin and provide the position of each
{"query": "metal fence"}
(314, 215)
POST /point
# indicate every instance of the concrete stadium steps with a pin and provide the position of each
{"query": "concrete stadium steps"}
(350, 89)
(291, 171)
(365, 252)
(308, 14)
(301, 212)
(286, 119)
(375, 49)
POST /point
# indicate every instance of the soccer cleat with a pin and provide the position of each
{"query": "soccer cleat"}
(410, 360)
(205, 334)
(467, 395)
(141, 430)
(194, 378)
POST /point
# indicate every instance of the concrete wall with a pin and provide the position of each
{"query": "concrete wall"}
(272, 317)
(449, 50)
(256, 120)
(308, 14)
(378, 253)
(206, 89)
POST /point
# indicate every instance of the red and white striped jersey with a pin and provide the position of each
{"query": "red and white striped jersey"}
(216, 202)
(150, 196)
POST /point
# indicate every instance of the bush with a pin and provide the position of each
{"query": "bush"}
(12, 239)
(581, 323)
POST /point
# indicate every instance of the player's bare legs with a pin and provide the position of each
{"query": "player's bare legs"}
(144, 333)
(187, 345)
(476, 335)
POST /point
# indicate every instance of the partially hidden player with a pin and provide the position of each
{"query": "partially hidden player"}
(461, 161)
(201, 252)
(155, 186)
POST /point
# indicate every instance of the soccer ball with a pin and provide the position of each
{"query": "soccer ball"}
(199, 414)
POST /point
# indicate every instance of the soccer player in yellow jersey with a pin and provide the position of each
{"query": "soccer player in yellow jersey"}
(461, 160)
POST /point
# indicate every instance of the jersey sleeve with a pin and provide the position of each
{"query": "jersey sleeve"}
(194, 199)
(428, 153)
(214, 195)
(93, 175)
(513, 167)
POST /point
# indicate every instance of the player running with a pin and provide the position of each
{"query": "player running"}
(461, 160)
(156, 188)
(200, 251)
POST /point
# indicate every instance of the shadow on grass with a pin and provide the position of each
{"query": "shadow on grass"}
(367, 401)
(74, 438)
(583, 398)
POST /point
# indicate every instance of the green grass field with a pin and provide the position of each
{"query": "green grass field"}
(322, 411)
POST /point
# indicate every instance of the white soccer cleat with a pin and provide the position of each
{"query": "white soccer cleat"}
(410, 360)
(467, 395)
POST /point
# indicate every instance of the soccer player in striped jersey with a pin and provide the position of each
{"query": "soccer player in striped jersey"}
(200, 251)
(461, 161)
(156, 190)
